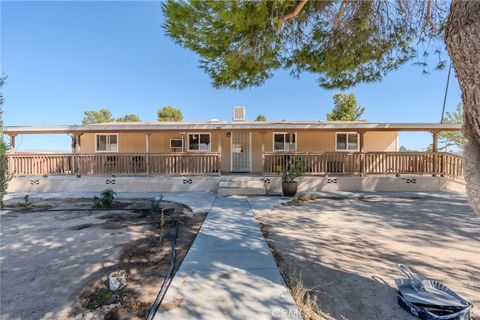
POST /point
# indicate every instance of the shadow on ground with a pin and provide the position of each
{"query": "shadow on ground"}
(347, 249)
(48, 257)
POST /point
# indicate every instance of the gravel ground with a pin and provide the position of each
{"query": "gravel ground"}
(347, 249)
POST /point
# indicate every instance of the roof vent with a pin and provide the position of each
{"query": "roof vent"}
(239, 114)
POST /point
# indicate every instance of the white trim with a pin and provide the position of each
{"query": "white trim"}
(199, 133)
(296, 141)
(106, 134)
(170, 144)
(284, 141)
(250, 151)
(229, 125)
(398, 141)
(147, 143)
(346, 141)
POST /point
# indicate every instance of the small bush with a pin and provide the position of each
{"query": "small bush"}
(295, 168)
(155, 204)
(105, 201)
(156, 209)
(27, 204)
(4, 174)
(302, 296)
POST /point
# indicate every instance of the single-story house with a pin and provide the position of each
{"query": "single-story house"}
(237, 146)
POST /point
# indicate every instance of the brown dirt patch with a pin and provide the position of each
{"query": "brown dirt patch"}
(146, 260)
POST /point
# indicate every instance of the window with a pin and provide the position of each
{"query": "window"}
(347, 141)
(176, 143)
(281, 141)
(199, 141)
(106, 143)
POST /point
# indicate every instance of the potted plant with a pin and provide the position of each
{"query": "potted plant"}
(294, 170)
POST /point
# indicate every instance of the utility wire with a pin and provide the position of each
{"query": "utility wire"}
(446, 92)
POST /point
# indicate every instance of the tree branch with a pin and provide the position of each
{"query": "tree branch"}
(428, 17)
(295, 12)
(339, 14)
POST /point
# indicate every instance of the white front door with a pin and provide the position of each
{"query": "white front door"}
(241, 151)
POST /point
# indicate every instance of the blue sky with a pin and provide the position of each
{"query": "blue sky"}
(63, 58)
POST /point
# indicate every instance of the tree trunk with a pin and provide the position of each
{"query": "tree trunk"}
(462, 38)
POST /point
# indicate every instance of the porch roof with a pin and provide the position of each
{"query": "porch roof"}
(230, 125)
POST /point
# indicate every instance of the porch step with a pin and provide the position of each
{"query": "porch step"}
(241, 186)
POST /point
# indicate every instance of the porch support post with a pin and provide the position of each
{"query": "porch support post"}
(12, 144)
(76, 149)
(263, 151)
(11, 150)
(78, 144)
(219, 150)
(290, 138)
(361, 135)
(147, 151)
(434, 149)
(74, 152)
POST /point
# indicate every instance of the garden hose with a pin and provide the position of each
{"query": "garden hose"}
(168, 277)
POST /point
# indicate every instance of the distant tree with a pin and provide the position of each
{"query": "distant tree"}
(450, 139)
(169, 113)
(101, 116)
(129, 118)
(345, 108)
(403, 149)
(261, 117)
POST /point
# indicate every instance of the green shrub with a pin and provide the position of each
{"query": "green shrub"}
(296, 167)
(105, 201)
(4, 175)
(155, 204)
(26, 202)
(156, 209)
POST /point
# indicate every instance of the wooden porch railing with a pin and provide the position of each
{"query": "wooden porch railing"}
(114, 163)
(39, 164)
(432, 163)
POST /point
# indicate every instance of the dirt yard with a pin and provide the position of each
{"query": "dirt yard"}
(55, 264)
(347, 249)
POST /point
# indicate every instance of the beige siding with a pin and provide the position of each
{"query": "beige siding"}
(381, 141)
(257, 138)
(315, 141)
(307, 141)
(135, 142)
(160, 141)
(128, 142)
(225, 165)
(324, 141)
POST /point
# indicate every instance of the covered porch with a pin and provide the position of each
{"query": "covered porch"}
(248, 143)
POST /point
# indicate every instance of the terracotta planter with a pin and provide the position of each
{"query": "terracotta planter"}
(289, 188)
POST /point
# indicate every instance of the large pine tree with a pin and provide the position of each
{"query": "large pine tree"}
(344, 42)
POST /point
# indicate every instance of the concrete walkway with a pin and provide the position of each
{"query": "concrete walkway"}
(229, 272)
